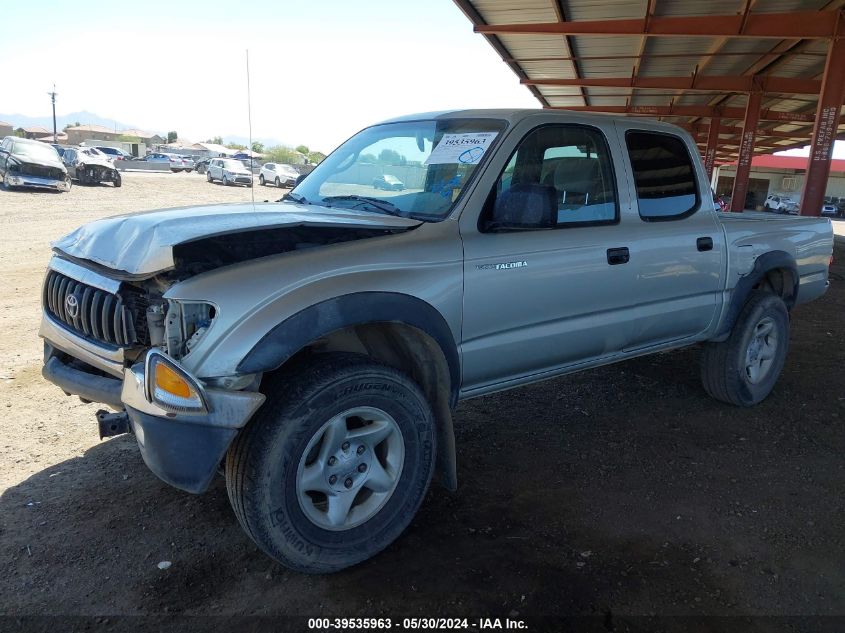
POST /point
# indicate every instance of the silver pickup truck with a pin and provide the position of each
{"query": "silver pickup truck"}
(314, 348)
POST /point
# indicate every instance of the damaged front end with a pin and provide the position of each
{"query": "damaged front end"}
(120, 342)
(124, 337)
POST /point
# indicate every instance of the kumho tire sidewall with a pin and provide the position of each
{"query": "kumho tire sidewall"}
(283, 530)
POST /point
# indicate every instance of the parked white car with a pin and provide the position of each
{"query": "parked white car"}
(781, 204)
(177, 163)
(228, 171)
(279, 174)
(829, 210)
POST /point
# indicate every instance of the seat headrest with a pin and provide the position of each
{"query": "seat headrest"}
(525, 206)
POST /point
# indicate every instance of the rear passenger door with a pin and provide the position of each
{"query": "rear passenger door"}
(676, 243)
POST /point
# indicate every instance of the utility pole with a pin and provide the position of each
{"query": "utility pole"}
(53, 99)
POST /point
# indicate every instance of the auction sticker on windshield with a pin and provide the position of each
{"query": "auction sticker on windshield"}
(461, 149)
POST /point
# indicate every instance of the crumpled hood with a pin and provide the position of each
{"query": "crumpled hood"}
(141, 244)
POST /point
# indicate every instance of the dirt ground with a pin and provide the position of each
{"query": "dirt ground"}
(624, 491)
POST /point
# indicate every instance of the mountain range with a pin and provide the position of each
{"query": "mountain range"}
(90, 118)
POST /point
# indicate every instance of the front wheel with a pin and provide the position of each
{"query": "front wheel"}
(277, 182)
(743, 369)
(335, 465)
(261, 180)
(208, 176)
(225, 181)
(118, 180)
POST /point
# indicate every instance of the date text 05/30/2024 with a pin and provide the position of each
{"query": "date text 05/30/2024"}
(415, 624)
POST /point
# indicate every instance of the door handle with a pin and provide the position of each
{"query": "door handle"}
(704, 243)
(618, 255)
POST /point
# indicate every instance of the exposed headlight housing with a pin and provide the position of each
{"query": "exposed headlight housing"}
(171, 387)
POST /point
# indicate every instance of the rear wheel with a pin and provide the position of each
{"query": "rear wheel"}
(208, 176)
(225, 181)
(278, 182)
(743, 370)
(118, 180)
(335, 465)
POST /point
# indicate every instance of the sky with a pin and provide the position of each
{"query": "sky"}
(319, 70)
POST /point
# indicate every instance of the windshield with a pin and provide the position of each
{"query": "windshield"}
(415, 169)
(36, 151)
(233, 165)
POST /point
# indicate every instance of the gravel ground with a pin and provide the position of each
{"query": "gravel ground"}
(624, 491)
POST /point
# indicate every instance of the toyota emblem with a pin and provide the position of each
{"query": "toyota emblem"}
(72, 306)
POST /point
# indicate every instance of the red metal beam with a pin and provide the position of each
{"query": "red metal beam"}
(599, 58)
(734, 131)
(712, 146)
(824, 131)
(708, 83)
(746, 151)
(792, 25)
(696, 111)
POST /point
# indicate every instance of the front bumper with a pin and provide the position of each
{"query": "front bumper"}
(36, 182)
(184, 450)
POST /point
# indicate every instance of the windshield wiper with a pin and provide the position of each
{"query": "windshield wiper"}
(294, 197)
(381, 205)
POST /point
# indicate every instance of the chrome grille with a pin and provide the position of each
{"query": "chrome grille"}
(90, 312)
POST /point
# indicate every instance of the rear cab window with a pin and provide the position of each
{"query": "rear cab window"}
(664, 175)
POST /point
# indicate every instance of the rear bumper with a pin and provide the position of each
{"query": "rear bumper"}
(182, 449)
(36, 182)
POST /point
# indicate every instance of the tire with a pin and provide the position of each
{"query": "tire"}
(277, 182)
(118, 181)
(767, 207)
(728, 368)
(261, 180)
(208, 176)
(225, 182)
(266, 466)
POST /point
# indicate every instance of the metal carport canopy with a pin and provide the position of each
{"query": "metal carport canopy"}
(715, 67)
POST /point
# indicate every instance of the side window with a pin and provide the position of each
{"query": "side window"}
(663, 174)
(559, 176)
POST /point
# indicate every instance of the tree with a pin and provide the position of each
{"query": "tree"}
(171, 137)
(217, 140)
(391, 157)
(19, 132)
(281, 154)
(76, 124)
(315, 158)
(258, 147)
(237, 146)
(303, 149)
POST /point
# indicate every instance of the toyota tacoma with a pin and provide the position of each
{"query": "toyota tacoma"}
(313, 349)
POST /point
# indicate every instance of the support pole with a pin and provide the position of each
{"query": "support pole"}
(712, 145)
(824, 129)
(746, 151)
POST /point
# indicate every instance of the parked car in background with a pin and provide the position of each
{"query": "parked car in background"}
(202, 165)
(781, 204)
(388, 183)
(190, 163)
(113, 153)
(228, 171)
(829, 210)
(31, 164)
(87, 166)
(279, 174)
(177, 163)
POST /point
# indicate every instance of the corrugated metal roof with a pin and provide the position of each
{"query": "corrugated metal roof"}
(552, 56)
